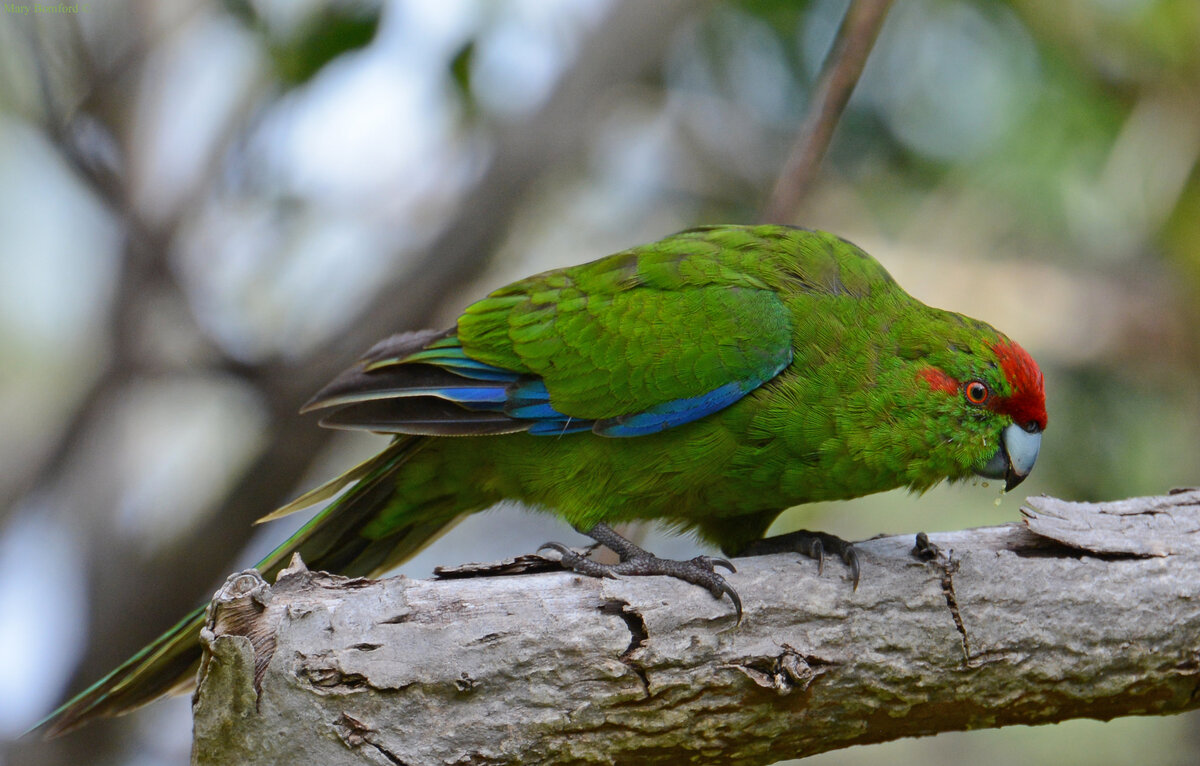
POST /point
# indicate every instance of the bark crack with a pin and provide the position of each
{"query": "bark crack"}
(356, 733)
(948, 566)
(638, 636)
(391, 757)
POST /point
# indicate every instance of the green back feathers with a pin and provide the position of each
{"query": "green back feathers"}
(670, 320)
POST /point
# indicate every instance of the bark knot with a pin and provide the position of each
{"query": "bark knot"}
(786, 672)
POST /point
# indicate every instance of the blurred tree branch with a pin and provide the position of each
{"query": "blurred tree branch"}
(986, 627)
(839, 74)
(144, 269)
(134, 598)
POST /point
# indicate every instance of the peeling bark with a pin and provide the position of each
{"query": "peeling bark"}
(1085, 610)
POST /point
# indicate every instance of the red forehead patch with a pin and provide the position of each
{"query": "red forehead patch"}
(1027, 402)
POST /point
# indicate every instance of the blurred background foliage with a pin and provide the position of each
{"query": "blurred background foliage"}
(207, 208)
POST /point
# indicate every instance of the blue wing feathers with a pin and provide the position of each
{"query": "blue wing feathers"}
(673, 413)
(559, 427)
(494, 399)
(679, 411)
(534, 412)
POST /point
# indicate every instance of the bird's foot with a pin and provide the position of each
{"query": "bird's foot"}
(812, 544)
(635, 561)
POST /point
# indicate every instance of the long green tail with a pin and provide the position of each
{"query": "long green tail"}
(331, 541)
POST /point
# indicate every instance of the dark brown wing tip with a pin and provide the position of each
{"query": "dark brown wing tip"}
(354, 378)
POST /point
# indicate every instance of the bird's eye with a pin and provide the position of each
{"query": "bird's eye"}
(976, 392)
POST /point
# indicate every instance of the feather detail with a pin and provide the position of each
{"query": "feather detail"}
(321, 493)
(401, 387)
(679, 411)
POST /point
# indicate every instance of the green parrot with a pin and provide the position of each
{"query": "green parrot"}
(708, 380)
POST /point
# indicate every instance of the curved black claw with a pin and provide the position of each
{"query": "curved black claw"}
(716, 561)
(700, 570)
(812, 544)
(635, 561)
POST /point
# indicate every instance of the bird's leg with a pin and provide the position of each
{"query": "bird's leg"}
(634, 560)
(812, 544)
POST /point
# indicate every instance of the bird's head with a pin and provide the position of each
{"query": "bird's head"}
(988, 392)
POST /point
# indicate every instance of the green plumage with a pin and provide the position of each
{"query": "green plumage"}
(709, 380)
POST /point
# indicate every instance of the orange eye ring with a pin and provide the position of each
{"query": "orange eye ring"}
(976, 392)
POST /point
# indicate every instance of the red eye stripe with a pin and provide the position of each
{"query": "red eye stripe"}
(938, 380)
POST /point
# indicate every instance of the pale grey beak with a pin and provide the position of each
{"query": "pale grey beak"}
(1014, 457)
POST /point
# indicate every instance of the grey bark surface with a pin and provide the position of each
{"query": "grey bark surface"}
(1083, 610)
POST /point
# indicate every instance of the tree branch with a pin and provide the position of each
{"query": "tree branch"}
(982, 628)
(839, 75)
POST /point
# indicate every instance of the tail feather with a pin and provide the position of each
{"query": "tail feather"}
(323, 492)
(158, 669)
(333, 540)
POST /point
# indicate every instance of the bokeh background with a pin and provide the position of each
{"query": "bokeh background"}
(208, 208)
